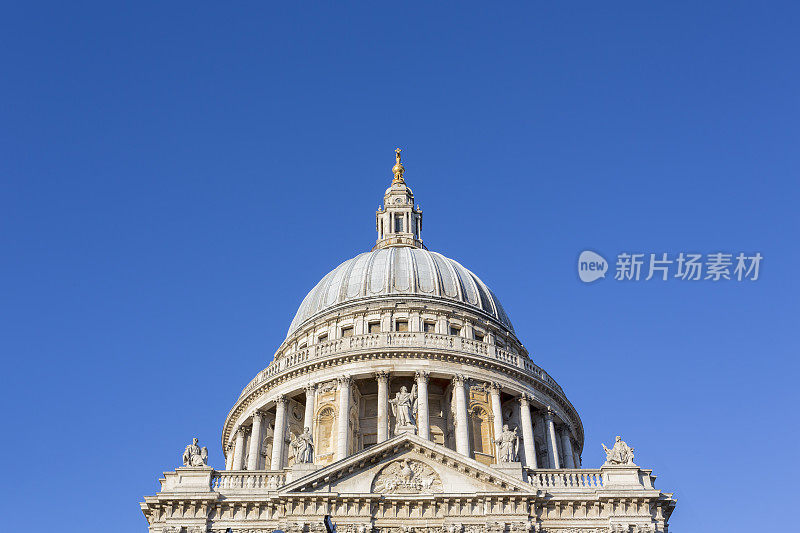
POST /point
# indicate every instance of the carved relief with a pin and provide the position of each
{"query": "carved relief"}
(327, 386)
(296, 527)
(296, 411)
(407, 477)
(478, 387)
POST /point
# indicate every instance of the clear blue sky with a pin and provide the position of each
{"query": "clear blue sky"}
(174, 177)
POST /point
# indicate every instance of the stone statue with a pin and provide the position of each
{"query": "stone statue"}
(509, 445)
(303, 446)
(404, 405)
(194, 455)
(619, 454)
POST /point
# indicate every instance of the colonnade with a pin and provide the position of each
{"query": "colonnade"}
(238, 460)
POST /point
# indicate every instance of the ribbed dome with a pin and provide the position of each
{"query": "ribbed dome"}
(399, 271)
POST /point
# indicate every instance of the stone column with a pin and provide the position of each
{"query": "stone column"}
(238, 450)
(414, 322)
(497, 416)
(308, 417)
(441, 325)
(527, 431)
(229, 457)
(343, 432)
(254, 452)
(552, 444)
(383, 405)
(566, 445)
(279, 435)
(462, 420)
(423, 420)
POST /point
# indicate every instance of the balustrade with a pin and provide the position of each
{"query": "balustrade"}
(232, 480)
(565, 479)
(289, 360)
(577, 479)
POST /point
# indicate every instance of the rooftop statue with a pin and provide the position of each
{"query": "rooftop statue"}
(398, 168)
(194, 455)
(509, 445)
(619, 454)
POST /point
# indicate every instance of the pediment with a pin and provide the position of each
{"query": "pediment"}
(407, 465)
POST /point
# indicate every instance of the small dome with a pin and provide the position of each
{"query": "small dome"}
(400, 271)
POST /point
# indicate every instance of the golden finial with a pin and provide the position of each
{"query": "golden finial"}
(398, 169)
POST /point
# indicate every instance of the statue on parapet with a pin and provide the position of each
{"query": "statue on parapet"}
(508, 444)
(303, 446)
(619, 454)
(194, 455)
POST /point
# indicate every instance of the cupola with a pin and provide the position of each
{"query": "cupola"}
(398, 222)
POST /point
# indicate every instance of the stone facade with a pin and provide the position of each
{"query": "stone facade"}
(401, 400)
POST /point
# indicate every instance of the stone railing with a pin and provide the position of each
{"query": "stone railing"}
(401, 339)
(565, 479)
(222, 481)
(546, 479)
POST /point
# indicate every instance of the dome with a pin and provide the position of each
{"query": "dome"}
(400, 271)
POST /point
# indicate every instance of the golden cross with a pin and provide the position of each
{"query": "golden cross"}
(397, 152)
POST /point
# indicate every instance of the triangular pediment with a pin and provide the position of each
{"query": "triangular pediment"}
(407, 464)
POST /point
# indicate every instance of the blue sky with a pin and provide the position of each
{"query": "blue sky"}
(176, 176)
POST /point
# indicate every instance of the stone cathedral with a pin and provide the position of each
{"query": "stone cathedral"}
(402, 401)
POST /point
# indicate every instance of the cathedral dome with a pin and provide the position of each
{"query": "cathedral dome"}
(401, 383)
(399, 319)
(401, 271)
